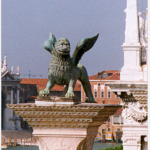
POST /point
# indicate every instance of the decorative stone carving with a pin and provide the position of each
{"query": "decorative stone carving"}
(134, 112)
(42, 143)
(131, 140)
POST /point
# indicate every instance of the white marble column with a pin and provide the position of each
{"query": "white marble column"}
(12, 93)
(131, 71)
(17, 94)
(132, 28)
(12, 115)
(145, 67)
(146, 46)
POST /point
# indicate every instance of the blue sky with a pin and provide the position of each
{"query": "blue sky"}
(26, 24)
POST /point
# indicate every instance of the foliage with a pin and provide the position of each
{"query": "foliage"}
(114, 148)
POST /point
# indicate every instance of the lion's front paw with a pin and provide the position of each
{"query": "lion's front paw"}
(70, 94)
(44, 92)
(90, 100)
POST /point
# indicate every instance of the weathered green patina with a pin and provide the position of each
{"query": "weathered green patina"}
(66, 70)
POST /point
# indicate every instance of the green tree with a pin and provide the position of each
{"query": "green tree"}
(114, 148)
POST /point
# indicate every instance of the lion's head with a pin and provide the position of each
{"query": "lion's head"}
(62, 46)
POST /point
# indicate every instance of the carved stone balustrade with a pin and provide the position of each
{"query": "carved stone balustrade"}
(64, 125)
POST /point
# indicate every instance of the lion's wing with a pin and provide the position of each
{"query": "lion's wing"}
(48, 44)
(83, 46)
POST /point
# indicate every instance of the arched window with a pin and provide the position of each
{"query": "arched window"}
(108, 129)
(109, 94)
(102, 94)
(109, 119)
(95, 93)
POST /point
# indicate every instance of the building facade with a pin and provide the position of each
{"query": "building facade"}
(103, 95)
(111, 129)
(10, 95)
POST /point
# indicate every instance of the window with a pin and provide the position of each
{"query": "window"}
(108, 129)
(117, 96)
(85, 95)
(109, 94)
(109, 119)
(95, 94)
(102, 94)
(118, 129)
(103, 131)
(116, 119)
(99, 84)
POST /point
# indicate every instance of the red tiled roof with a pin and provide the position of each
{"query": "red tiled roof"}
(94, 77)
(110, 75)
(41, 84)
(119, 111)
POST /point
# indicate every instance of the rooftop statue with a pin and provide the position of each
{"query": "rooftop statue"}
(66, 70)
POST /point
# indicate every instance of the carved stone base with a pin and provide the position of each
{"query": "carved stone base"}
(65, 139)
(64, 126)
(133, 135)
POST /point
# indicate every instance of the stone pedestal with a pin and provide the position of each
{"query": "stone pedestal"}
(132, 138)
(64, 124)
(131, 71)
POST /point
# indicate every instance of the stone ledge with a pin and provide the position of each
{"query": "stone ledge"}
(64, 116)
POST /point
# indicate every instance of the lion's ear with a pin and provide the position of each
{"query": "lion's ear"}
(53, 44)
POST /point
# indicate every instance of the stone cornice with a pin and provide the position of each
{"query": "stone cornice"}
(131, 91)
(64, 116)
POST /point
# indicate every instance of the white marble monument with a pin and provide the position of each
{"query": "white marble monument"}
(132, 87)
(135, 33)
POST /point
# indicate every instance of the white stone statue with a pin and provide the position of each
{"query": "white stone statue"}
(146, 24)
(125, 21)
(18, 70)
(11, 70)
(4, 64)
(141, 28)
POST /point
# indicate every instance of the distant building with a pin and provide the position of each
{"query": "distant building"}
(112, 128)
(10, 95)
(30, 89)
(103, 95)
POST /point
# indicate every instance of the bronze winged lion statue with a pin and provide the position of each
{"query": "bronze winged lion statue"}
(66, 70)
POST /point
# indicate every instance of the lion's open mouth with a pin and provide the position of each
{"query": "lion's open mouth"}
(65, 51)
